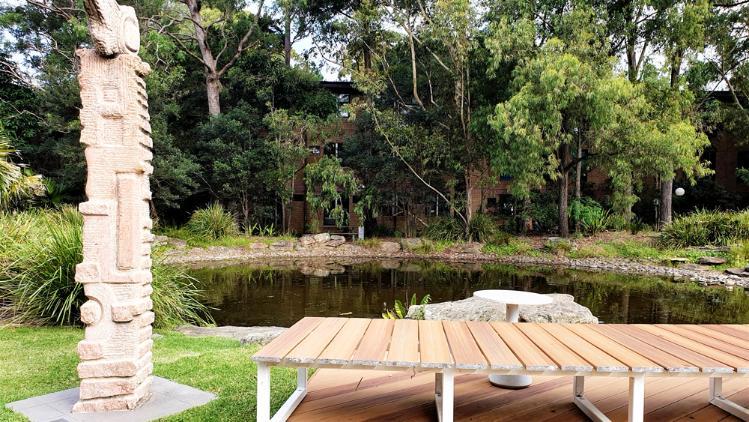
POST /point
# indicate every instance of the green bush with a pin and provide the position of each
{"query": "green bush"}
(444, 228)
(589, 214)
(212, 222)
(707, 228)
(482, 228)
(37, 276)
(558, 246)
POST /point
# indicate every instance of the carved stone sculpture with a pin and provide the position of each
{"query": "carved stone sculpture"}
(115, 367)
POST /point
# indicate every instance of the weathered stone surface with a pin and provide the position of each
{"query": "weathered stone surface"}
(738, 271)
(307, 240)
(245, 335)
(116, 361)
(160, 240)
(411, 243)
(563, 309)
(335, 241)
(258, 245)
(711, 260)
(282, 245)
(321, 237)
(389, 247)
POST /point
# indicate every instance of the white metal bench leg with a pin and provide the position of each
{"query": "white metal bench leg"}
(636, 410)
(717, 399)
(590, 410)
(444, 395)
(263, 395)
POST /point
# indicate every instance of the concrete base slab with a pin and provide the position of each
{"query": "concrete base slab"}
(167, 398)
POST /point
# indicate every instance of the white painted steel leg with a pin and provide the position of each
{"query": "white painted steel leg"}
(717, 399)
(444, 395)
(263, 392)
(263, 395)
(590, 410)
(636, 411)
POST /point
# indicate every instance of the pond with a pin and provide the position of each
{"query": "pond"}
(283, 292)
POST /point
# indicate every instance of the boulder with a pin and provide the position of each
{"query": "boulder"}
(282, 245)
(411, 243)
(321, 237)
(307, 240)
(160, 240)
(335, 241)
(563, 310)
(737, 271)
(258, 245)
(711, 260)
(245, 335)
(389, 247)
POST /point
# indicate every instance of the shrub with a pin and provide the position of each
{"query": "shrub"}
(510, 247)
(558, 246)
(739, 253)
(38, 276)
(707, 228)
(444, 228)
(482, 228)
(589, 214)
(213, 222)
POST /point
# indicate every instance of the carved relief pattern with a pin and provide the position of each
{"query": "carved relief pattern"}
(115, 367)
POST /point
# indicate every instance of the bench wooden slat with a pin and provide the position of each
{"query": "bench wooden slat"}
(731, 331)
(527, 352)
(496, 352)
(340, 350)
(310, 348)
(601, 361)
(374, 344)
(647, 349)
(283, 344)
(704, 363)
(566, 359)
(707, 340)
(710, 331)
(465, 351)
(623, 353)
(740, 365)
(404, 346)
(433, 345)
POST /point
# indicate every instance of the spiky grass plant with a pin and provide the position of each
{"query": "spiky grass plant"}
(700, 228)
(37, 276)
(213, 222)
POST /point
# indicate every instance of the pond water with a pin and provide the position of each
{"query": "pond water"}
(283, 292)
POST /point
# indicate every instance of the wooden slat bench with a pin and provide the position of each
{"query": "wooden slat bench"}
(450, 347)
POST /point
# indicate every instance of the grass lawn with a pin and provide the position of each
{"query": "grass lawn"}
(37, 361)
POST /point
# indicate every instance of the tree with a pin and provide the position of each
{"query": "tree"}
(328, 183)
(17, 182)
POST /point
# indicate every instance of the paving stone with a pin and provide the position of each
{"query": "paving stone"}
(168, 398)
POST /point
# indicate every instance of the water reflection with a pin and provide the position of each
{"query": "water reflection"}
(282, 293)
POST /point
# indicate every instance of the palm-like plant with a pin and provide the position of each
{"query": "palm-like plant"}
(16, 181)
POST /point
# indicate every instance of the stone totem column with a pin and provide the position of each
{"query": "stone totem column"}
(115, 368)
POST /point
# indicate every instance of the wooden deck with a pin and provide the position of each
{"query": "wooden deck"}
(359, 395)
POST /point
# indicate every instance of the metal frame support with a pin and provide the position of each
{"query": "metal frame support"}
(636, 410)
(444, 394)
(590, 410)
(263, 395)
(717, 399)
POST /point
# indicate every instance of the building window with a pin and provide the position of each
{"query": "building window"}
(332, 149)
(502, 205)
(343, 100)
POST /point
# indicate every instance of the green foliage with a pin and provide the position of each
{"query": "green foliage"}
(510, 247)
(400, 310)
(739, 253)
(558, 246)
(590, 215)
(37, 277)
(444, 228)
(328, 183)
(212, 222)
(482, 228)
(17, 183)
(703, 227)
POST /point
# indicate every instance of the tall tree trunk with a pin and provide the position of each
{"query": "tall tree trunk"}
(287, 39)
(213, 90)
(667, 185)
(578, 179)
(564, 187)
(469, 202)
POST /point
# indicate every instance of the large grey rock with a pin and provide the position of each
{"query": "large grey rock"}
(335, 241)
(245, 335)
(711, 260)
(282, 245)
(411, 243)
(737, 271)
(389, 247)
(321, 237)
(563, 309)
(307, 240)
